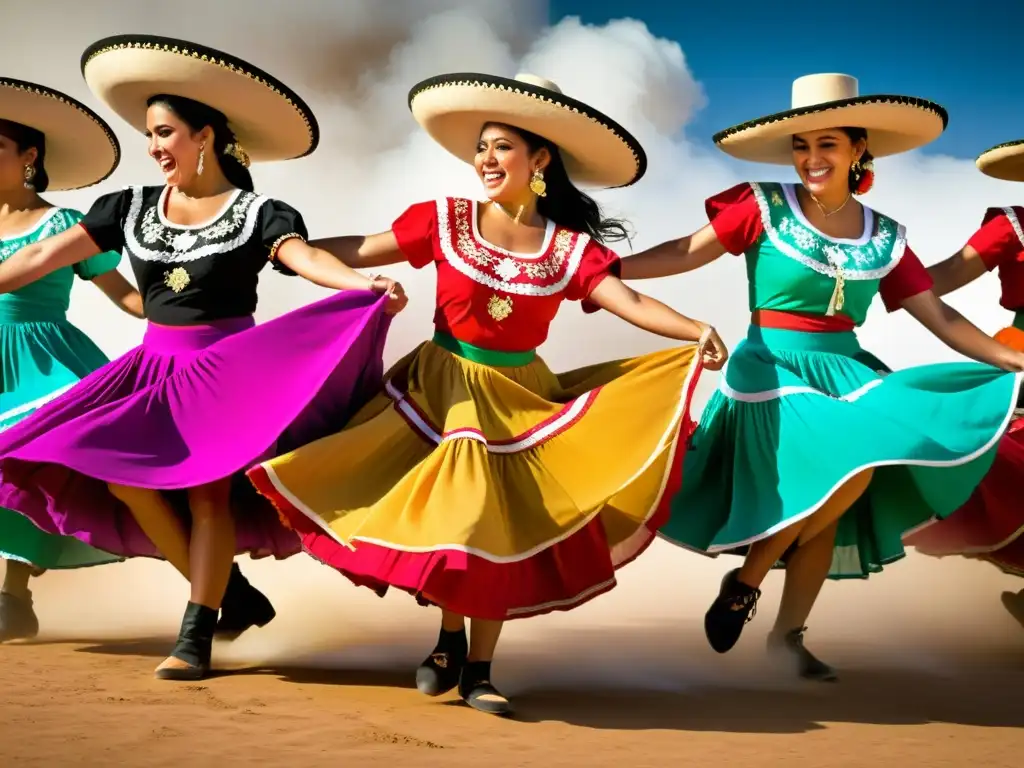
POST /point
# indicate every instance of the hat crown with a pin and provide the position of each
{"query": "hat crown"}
(810, 90)
(540, 82)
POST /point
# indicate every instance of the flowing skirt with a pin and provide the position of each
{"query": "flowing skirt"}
(798, 414)
(990, 524)
(42, 355)
(496, 492)
(190, 406)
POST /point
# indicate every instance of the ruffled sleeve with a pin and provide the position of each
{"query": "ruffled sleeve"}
(105, 220)
(735, 217)
(279, 223)
(416, 233)
(996, 241)
(906, 280)
(598, 262)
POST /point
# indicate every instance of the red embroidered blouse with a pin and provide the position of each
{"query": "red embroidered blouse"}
(1000, 243)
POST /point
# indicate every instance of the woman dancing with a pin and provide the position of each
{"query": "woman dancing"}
(165, 427)
(990, 524)
(480, 481)
(806, 454)
(48, 142)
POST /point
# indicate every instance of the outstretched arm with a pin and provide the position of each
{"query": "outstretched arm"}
(324, 269)
(675, 256)
(121, 292)
(363, 251)
(651, 315)
(963, 267)
(41, 258)
(960, 334)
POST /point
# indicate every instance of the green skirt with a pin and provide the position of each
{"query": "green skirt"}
(797, 414)
(39, 361)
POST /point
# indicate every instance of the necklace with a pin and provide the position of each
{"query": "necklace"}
(826, 214)
(501, 208)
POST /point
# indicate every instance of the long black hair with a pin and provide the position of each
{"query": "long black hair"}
(564, 203)
(197, 116)
(856, 134)
(25, 138)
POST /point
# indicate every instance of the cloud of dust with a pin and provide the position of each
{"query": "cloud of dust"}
(354, 65)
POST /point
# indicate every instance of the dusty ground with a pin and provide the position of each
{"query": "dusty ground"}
(933, 675)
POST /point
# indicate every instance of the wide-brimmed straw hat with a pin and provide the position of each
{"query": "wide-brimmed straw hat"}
(269, 119)
(894, 123)
(1003, 161)
(81, 149)
(595, 149)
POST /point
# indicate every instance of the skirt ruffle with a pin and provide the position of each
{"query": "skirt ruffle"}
(39, 361)
(991, 524)
(798, 414)
(190, 406)
(498, 493)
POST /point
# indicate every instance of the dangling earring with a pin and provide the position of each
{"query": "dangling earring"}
(863, 176)
(202, 155)
(29, 174)
(537, 184)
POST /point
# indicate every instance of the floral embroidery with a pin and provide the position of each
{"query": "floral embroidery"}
(177, 279)
(499, 307)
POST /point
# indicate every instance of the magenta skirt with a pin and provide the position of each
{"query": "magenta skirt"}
(190, 406)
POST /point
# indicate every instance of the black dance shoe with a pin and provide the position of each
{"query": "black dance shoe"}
(243, 607)
(194, 646)
(439, 672)
(17, 618)
(808, 666)
(477, 691)
(735, 605)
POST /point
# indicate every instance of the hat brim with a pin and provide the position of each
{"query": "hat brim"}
(1004, 161)
(595, 149)
(81, 149)
(894, 124)
(269, 120)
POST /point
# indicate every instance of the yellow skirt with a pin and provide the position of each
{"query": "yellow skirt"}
(496, 492)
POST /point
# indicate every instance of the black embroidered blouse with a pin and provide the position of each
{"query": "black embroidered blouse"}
(190, 275)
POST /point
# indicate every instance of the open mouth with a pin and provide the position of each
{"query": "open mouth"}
(493, 178)
(818, 174)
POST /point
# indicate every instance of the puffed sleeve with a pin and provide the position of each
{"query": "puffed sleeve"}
(104, 221)
(598, 262)
(735, 217)
(906, 280)
(416, 232)
(279, 223)
(996, 241)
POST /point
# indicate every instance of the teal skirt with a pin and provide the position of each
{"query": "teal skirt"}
(39, 361)
(797, 414)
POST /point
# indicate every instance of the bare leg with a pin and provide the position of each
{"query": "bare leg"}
(806, 571)
(17, 618)
(16, 579)
(158, 521)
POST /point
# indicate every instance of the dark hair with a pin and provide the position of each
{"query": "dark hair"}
(566, 205)
(26, 138)
(856, 134)
(197, 116)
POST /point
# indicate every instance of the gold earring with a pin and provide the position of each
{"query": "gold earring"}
(537, 184)
(202, 155)
(29, 174)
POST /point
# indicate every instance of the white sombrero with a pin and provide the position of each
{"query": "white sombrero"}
(894, 123)
(270, 121)
(596, 150)
(1004, 161)
(81, 149)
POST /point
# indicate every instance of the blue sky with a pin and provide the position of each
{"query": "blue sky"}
(965, 56)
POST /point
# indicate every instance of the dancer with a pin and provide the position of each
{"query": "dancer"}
(48, 142)
(990, 524)
(207, 393)
(480, 481)
(805, 454)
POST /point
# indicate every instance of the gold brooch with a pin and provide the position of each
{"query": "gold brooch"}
(177, 279)
(776, 199)
(499, 308)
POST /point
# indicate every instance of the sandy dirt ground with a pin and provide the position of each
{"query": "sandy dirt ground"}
(932, 675)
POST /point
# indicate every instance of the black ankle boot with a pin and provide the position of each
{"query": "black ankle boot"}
(194, 646)
(439, 672)
(243, 607)
(808, 666)
(735, 605)
(477, 691)
(17, 618)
